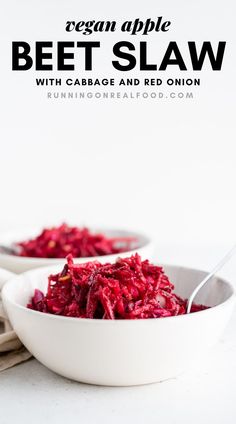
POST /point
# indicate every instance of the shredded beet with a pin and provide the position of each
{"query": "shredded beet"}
(58, 242)
(128, 289)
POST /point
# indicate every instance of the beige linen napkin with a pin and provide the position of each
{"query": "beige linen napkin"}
(12, 352)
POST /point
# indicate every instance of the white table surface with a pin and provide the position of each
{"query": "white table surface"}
(30, 393)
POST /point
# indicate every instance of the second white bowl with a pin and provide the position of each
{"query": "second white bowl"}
(144, 246)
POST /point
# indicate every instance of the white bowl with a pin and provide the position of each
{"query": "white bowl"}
(120, 352)
(144, 246)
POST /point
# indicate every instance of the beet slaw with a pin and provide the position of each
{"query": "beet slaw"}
(128, 289)
(58, 242)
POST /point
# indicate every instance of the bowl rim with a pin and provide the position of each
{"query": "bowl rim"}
(147, 241)
(45, 315)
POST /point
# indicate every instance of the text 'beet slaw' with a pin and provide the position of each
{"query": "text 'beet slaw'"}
(58, 242)
(128, 289)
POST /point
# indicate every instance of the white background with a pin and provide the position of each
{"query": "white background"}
(164, 167)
